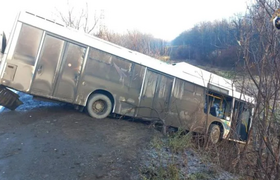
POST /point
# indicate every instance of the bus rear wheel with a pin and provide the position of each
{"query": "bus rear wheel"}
(214, 133)
(99, 106)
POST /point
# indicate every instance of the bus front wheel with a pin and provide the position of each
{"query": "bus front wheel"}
(99, 106)
(214, 133)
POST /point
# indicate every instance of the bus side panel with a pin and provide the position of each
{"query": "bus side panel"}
(21, 58)
(186, 107)
(115, 75)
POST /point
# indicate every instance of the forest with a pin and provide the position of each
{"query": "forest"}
(215, 43)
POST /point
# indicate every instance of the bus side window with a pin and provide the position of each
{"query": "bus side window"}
(179, 89)
(136, 77)
(28, 44)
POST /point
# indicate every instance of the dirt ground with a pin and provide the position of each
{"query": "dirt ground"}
(51, 141)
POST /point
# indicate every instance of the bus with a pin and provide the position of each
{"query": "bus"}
(47, 60)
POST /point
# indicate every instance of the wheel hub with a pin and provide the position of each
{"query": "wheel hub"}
(98, 106)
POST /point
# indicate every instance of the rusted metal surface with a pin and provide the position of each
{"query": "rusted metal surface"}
(8, 98)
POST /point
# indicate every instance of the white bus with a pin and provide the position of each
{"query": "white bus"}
(48, 60)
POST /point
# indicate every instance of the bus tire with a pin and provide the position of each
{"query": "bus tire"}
(214, 133)
(99, 106)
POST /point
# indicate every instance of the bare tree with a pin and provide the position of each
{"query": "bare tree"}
(81, 18)
(261, 57)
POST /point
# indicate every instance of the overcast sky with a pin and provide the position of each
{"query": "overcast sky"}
(164, 19)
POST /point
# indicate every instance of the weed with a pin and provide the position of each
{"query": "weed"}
(166, 165)
(179, 141)
(157, 143)
(169, 172)
(169, 159)
(199, 175)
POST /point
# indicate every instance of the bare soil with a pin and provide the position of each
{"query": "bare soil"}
(52, 141)
(57, 142)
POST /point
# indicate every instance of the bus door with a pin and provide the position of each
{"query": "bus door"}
(147, 97)
(243, 117)
(58, 69)
(46, 69)
(156, 95)
(162, 96)
(69, 72)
